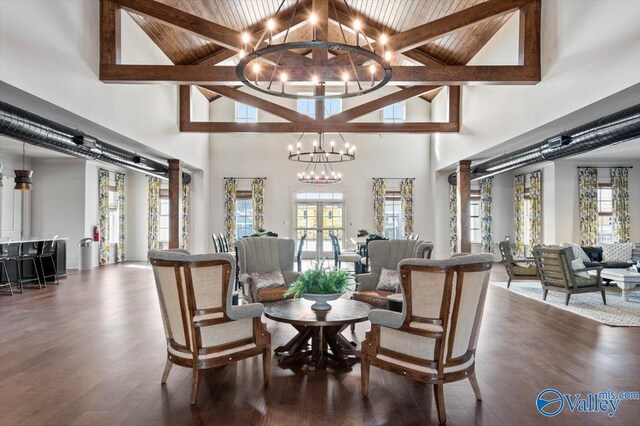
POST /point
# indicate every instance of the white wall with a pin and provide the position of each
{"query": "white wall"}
(11, 200)
(589, 50)
(265, 155)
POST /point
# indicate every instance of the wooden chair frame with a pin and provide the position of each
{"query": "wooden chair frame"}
(564, 274)
(507, 258)
(371, 345)
(192, 330)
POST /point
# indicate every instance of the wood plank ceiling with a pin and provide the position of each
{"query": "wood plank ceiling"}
(395, 15)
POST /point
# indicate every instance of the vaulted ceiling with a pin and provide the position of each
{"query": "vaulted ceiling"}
(432, 43)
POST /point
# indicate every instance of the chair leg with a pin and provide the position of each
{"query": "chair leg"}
(167, 370)
(364, 377)
(35, 267)
(266, 366)
(566, 301)
(4, 267)
(19, 276)
(544, 294)
(195, 384)
(353, 328)
(438, 390)
(509, 282)
(474, 384)
(604, 296)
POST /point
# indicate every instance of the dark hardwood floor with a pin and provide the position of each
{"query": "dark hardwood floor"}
(92, 351)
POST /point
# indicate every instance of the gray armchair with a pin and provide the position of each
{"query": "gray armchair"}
(265, 254)
(517, 269)
(386, 254)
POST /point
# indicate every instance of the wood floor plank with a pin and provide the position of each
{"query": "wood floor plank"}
(92, 350)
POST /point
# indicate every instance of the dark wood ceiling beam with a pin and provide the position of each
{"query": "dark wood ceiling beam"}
(109, 32)
(318, 127)
(455, 105)
(176, 18)
(376, 104)
(263, 104)
(421, 57)
(402, 75)
(529, 36)
(422, 34)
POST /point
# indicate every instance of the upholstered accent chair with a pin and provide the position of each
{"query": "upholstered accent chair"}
(433, 340)
(557, 274)
(517, 269)
(202, 326)
(386, 254)
(265, 254)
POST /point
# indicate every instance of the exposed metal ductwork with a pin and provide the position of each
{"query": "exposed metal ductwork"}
(619, 127)
(36, 130)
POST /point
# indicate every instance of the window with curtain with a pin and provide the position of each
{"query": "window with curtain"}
(394, 113)
(475, 217)
(393, 228)
(246, 113)
(605, 214)
(114, 216)
(163, 220)
(244, 214)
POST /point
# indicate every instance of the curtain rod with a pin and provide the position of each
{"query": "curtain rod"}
(393, 178)
(605, 167)
(244, 178)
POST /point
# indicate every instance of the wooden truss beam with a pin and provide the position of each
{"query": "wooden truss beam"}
(422, 34)
(376, 104)
(314, 126)
(402, 75)
(109, 32)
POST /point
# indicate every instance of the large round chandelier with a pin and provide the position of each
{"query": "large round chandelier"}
(277, 78)
(320, 160)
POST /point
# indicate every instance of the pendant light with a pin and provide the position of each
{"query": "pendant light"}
(23, 179)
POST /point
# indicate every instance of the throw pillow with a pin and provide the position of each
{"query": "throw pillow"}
(620, 252)
(578, 253)
(268, 279)
(389, 280)
(635, 253)
(578, 264)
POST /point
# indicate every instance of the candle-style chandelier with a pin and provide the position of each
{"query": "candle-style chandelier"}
(365, 72)
(320, 160)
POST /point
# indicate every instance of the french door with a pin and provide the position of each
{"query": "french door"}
(318, 220)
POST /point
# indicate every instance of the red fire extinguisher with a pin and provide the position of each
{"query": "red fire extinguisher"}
(96, 233)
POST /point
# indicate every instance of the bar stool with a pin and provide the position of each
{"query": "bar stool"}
(47, 250)
(4, 258)
(29, 252)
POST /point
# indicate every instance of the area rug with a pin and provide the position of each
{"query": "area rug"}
(616, 313)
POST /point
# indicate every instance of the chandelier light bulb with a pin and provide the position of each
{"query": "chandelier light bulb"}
(313, 18)
(357, 25)
(314, 80)
(346, 145)
(283, 77)
(241, 54)
(372, 69)
(315, 143)
(290, 148)
(340, 175)
(353, 148)
(271, 24)
(333, 143)
(345, 77)
(256, 68)
(245, 38)
(383, 39)
(387, 56)
(341, 152)
(298, 145)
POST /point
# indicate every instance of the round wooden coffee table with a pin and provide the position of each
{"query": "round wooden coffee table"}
(323, 328)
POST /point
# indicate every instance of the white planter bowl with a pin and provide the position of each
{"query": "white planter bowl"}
(321, 300)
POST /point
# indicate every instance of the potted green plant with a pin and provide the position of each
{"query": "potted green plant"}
(320, 286)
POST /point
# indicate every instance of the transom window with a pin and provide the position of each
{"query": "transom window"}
(394, 113)
(393, 215)
(605, 214)
(246, 113)
(308, 107)
(244, 214)
(319, 196)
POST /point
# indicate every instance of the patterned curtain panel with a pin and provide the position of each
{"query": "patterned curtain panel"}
(453, 218)
(230, 188)
(379, 191)
(620, 204)
(486, 220)
(103, 210)
(535, 215)
(406, 194)
(153, 212)
(588, 205)
(186, 197)
(518, 212)
(257, 193)
(120, 187)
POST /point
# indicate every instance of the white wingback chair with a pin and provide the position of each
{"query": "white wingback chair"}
(434, 339)
(266, 254)
(202, 326)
